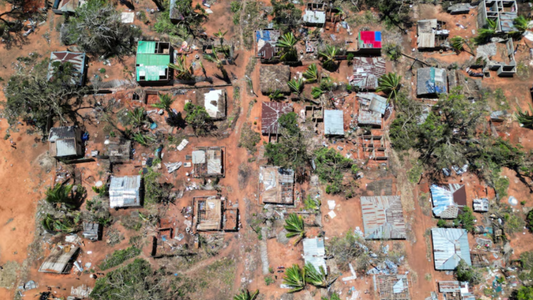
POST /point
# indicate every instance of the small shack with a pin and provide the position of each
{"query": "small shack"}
(333, 122)
(314, 17)
(502, 12)
(481, 205)
(274, 78)
(152, 63)
(431, 82)
(270, 114)
(214, 102)
(366, 72)
(91, 231)
(371, 109)
(383, 218)
(276, 185)
(315, 253)
(78, 60)
(60, 260)
(459, 8)
(459, 290)
(118, 152)
(65, 142)
(208, 161)
(125, 191)
(450, 246)
(448, 200)
(432, 34)
(207, 213)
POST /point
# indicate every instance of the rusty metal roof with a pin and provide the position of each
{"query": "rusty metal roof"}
(270, 113)
(383, 217)
(367, 71)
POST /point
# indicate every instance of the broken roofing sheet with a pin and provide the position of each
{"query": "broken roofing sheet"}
(270, 113)
(447, 200)
(367, 71)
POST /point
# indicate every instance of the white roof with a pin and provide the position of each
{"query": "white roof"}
(124, 191)
(315, 17)
(211, 100)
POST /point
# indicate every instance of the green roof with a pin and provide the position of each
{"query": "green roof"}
(153, 59)
(151, 73)
(146, 47)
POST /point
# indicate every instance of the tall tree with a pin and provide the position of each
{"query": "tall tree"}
(198, 118)
(329, 57)
(287, 44)
(389, 84)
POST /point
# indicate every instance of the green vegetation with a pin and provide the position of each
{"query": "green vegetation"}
(466, 219)
(331, 166)
(62, 194)
(521, 23)
(311, 74)
(183, 70)
(249, 138)
(484, 34)
(133, 281)
(501, 184)
(155, 192)
(524, 293)
(286, 16)
(513, 223)
(348, 249)
(311, 204)
(190, 23)
(464, 272)
(526, 273)
(529, 219)
(245, 295)
(389, 84)
(97, 28)
(392, 51)
(525, 118)
(198, 118)
(294, 278)
(269, 280)
(315, 277)
(55, 225)
(165, 101)
(275, 95)
(118, 257)
(294, 224)
(287, 44)
(334, 296)
(296, 86)
(329, 57)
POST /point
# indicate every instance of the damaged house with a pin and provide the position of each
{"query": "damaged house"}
(118, 151)
(497, 57)
(60, 260)
(266, 40)
(393, 287)
(371, 109)
(432, 35)
(210, 214)
(208, 161)
(431, 82)
(383, 218)
(125, 191)
(366, 72)
(315, 253)
(456, 290)
(151, 66)
(65, 142)
(502, 12)
(448, 200)
(315, 15)
(214, 102)
(276, 185)
(67, 7)
(450, 246)
(78, 61)
(270, 114)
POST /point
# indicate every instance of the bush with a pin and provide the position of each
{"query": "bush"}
(268, 280)
(442, 223)
(102, 71)
(466, 219)
(464, 272)
(118, 257)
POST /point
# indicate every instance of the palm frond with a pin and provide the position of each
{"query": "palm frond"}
(316, 92)
(294, 278)
(245, 295)
(314, 276)
(311, 74)
(296, 86)
(165, 101)
(389, 84)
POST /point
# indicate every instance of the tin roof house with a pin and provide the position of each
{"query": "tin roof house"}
(208, 161)
(369, 42)
(276, 185)
(383, 218)
(65, 142)
(448, 200)
(266, 40)
(450, 246)
(371, 109)
(125, 191)
(333, 122)
(270, 114)
(78, 60)
(60, 260)
(431, 82)
(315, 15)
(502, 12)
(152, 63)
(207, 213)
(315, 253)
(432, 34)
(481, 205)
(366, 72)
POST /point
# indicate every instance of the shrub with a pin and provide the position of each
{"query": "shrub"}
(118, 257)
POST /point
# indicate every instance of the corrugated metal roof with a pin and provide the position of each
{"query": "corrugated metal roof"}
(315, 17)
(481, 204)
(58, 260)
(146, 47)
(66, 147)
(450, 245)
(270, 113)
(65, 132)
(447, 199)
(333, 122)
(314, 252)
(214, 162)
(77, 59)
(367, 71)
(369, 118)
(198, 157)
(276, 185)
(124, 191)
(431, 81)
(383, 217)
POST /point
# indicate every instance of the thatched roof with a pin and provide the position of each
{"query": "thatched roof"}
(274, 78)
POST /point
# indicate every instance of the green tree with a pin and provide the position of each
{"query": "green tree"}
(392, 51)
(296, 86)
(294, 224)
(329, 57)
(189, 20)
(521, 23)
(529, 219)
(287, 44)
(165, 101)
(198, 118)
(137, 118)
(464, 272)
(245, 295)
(330, 167)
(275, 95)
(315, 277)
(457, 43)
(389, 84)
(154, 191)
(286, 16)
(62, 194)
(311, 74)
(524, 293)
(97, 28)
(334, 296)
(184, 71)
(316, 92)
(484, 34)
(466, 219)
(294, 278)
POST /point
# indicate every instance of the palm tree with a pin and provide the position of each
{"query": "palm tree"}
(525, 118)
(294, 224)
(220, 34)
(184, 71)
(275, 95)
(61, 194)
(294, 278)
(521, 23)
(245, 295)
(165, 101)
(213, 57)
(311, 74)
(137, 117)
(486, 33)
(296, 86)
(334, 296)
(315, 277)
(142, 139)
(54, 225)
(329, 57)
(316, 92)
(287, 42)
(458, 42)
(389, 84)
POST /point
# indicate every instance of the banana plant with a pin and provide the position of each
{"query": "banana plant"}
(294, 278)
(245, 295)
(294, 224)
(311, 74)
